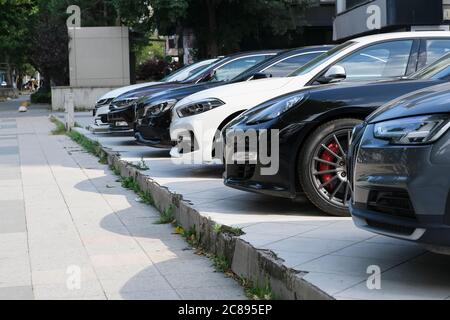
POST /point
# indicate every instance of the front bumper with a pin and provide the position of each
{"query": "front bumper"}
(402, 191)
(193, 137)
(154, 131)
(250, 175)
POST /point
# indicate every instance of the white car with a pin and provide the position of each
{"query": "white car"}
(102, 106)
(3, 84)
(198, 119)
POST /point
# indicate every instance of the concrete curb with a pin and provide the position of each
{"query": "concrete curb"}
(262, 267)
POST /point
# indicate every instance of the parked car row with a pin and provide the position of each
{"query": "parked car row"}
(362, 126)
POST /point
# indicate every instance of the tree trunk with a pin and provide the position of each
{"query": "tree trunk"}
(212, 46)
(8, 72)
(46, 84)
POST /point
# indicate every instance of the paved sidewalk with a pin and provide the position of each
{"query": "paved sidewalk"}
(328, 252)
(69, 231)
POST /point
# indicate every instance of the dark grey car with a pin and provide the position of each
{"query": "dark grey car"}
(400, 169)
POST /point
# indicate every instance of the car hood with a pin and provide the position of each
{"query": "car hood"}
(117, 92)
(432, 100)
(243, 91)
(148, 91)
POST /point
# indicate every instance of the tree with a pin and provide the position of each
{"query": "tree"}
(221, 26)
(14, 33)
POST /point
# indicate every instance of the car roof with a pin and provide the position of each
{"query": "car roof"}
(249, 53)
(396, 35)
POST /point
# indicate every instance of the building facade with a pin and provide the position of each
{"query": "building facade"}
(361, 17)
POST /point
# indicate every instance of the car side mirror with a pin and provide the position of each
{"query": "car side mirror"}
(261, 75)
(334, 74)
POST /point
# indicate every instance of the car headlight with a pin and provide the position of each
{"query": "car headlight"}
(155, 109)
(198, 107)
(414, 130)
(276, 110)
(123, 103)
(103, 102)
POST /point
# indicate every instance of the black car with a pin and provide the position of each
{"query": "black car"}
(153, 115)
(400, 169)
(315, 127)
(122, 108)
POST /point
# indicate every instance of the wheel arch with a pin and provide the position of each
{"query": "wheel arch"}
(224, 123)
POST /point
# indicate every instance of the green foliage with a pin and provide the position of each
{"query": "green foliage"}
(41, 97)
(255, 292)
(115, 170)
(228, 230)
(221, 264)
(60, 127)
(167, 216)
(87, 144)
(15, 34)
(224, 26)
(217, 228)
(191, 237)
(155, 49)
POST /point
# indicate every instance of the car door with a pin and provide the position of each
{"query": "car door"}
(379, 61)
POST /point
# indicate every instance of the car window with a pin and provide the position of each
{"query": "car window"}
(322, 59)
(289, 65)
(189, 70)
(439, 70)
(236, 67)
(379, 61)
(436, 48)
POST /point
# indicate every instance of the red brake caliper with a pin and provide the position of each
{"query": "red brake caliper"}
(327, 156)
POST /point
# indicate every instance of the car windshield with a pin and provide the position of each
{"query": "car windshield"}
(436, 71)
(187, 71)
(197, 74)
(321, 59)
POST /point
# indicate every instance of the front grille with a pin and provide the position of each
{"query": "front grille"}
(391, 228)
(393, 202)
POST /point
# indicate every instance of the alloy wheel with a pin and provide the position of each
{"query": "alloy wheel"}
(329, 168)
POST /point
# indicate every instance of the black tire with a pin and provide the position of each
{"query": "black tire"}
(309, 180)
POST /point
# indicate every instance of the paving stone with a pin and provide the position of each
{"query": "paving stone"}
(212, 293)
(17, 293)
(136, 284)
(146, 295)
(348, 266)
(12, 216)
(62, 291)
(308, 245)
(196, 280)
(6, 151)
(412, 281)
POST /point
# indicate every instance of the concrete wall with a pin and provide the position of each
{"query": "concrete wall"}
(84, 98)
(99, 57)
(8, 93)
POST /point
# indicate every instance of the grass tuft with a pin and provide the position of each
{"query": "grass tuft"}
(167, 216)
(254, 292)
(221, 264)
(60, 127)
